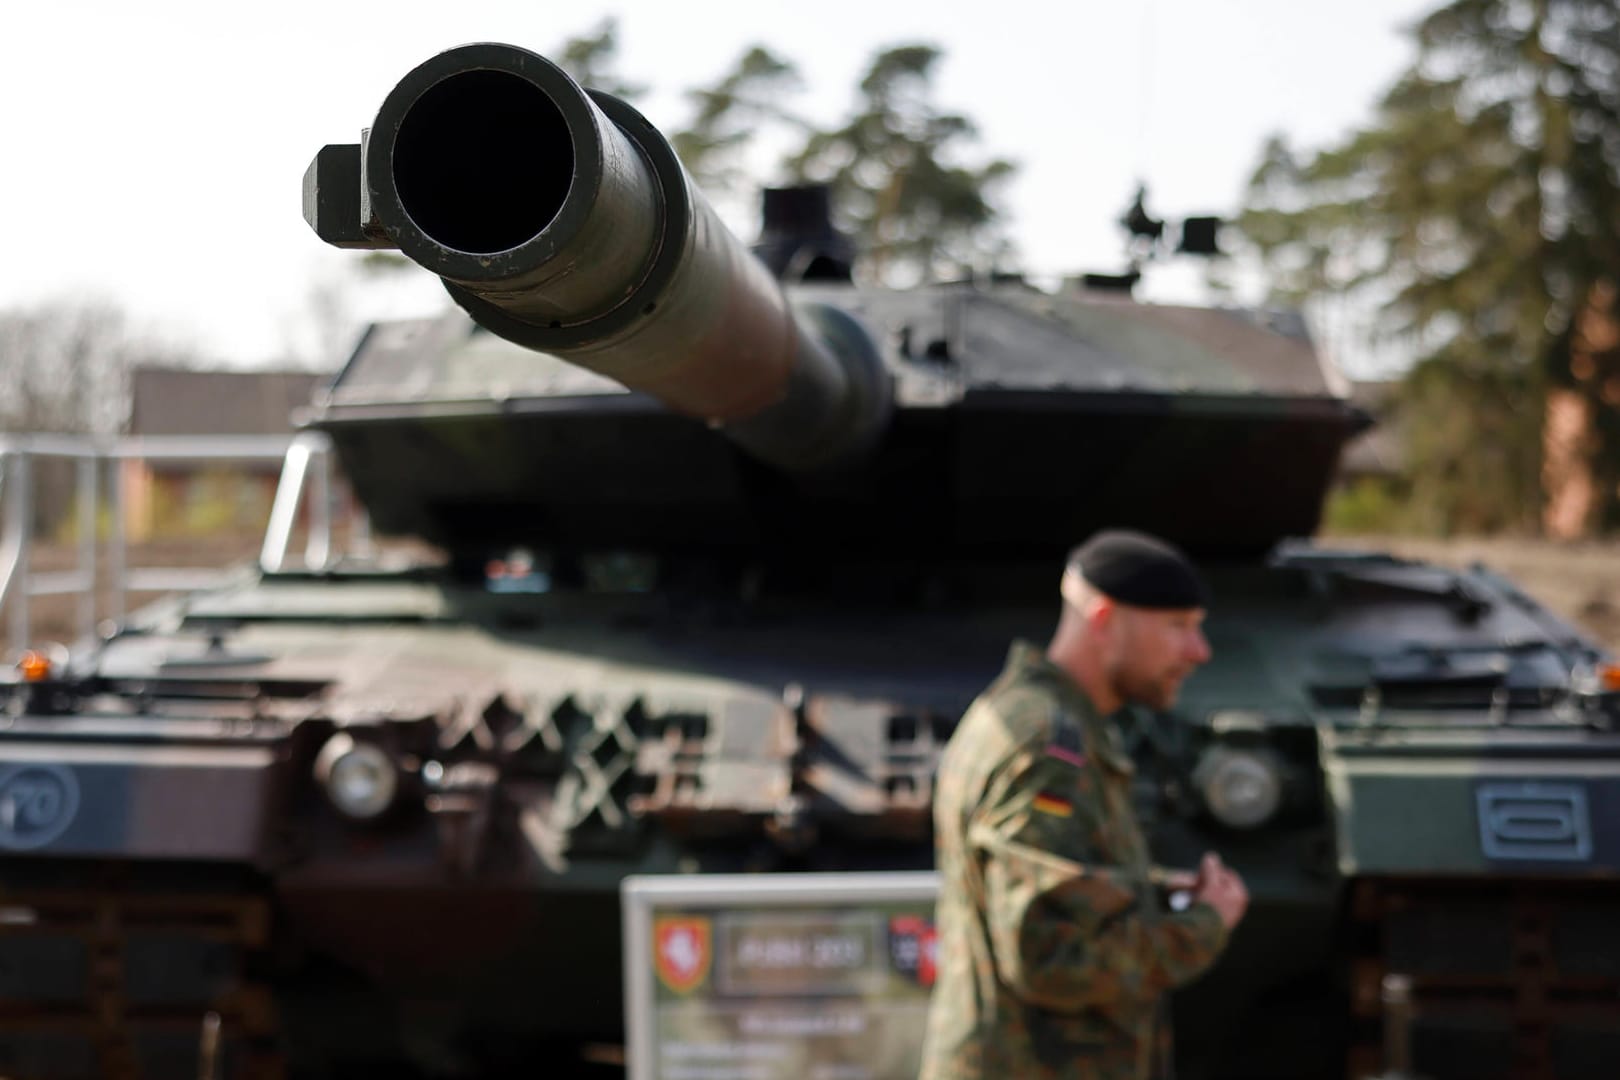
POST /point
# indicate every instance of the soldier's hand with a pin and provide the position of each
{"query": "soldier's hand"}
(1222, 889)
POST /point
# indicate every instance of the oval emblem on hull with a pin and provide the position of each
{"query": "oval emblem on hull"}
(37, 804)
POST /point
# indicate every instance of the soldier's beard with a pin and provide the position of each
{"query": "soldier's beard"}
(1155, 690)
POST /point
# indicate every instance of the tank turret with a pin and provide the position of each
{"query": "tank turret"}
(977, 417)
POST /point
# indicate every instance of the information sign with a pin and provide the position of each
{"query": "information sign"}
(778, 976)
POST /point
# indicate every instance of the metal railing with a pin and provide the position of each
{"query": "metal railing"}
(306, 467)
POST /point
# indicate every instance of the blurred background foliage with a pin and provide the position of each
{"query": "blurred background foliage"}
(1478, 213)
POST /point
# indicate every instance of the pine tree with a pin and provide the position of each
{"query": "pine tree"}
(728, 116)
(589, 60)
(1481, 210)
(915, 215)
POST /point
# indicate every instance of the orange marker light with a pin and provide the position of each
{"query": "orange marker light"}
(1609, 676)
(35, 667)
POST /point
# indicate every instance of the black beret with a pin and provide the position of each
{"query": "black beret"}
(1140, 570)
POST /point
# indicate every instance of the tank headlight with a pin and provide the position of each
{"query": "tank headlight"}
(359, 777)
(1241, 788)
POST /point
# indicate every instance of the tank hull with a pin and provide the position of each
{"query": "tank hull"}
(578, 737)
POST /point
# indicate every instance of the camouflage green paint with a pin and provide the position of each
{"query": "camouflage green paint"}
(1471, 801)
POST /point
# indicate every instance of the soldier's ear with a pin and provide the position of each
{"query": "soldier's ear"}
(1101, 612)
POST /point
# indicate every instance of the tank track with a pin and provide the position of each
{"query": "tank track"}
(1516, 978)
(103, 980)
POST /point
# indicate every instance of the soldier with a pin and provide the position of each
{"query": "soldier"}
(1055, 953)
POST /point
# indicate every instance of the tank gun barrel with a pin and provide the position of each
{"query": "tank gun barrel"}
(560, 219)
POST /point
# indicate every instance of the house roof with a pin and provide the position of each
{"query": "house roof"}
(176, 401)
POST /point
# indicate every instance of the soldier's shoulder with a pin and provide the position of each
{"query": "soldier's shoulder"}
(1025, 710)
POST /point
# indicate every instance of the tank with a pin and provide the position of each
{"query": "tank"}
(728, 544)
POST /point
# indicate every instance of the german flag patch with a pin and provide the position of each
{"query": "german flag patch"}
(1056, 805)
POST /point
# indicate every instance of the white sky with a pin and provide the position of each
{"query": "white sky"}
(152, 152)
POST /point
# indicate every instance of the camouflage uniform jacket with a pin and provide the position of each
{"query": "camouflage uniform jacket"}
(1054, 952)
